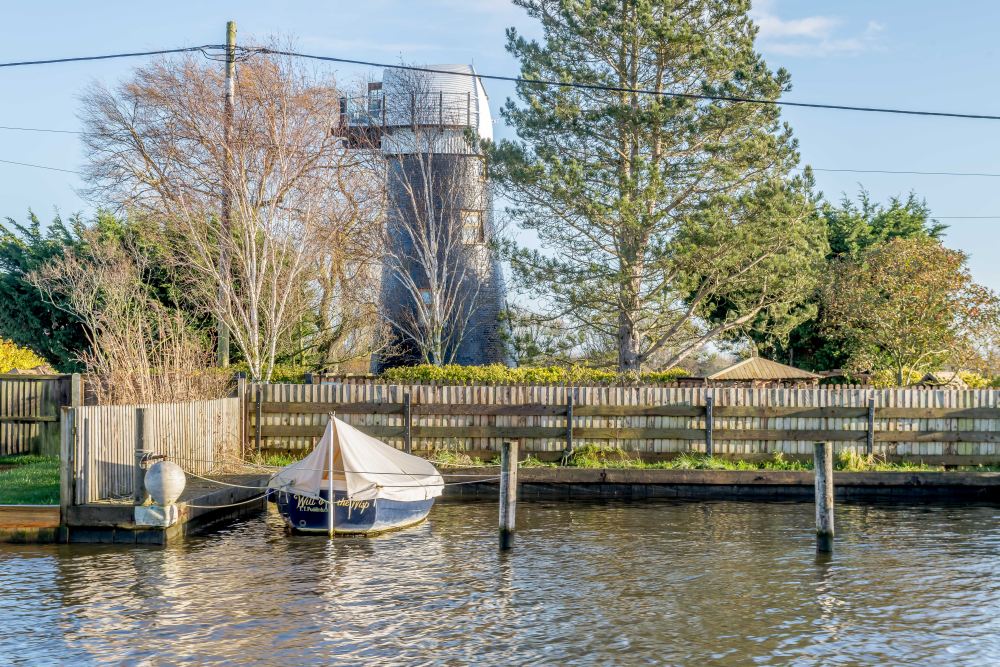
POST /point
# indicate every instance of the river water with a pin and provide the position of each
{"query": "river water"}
(614, 583)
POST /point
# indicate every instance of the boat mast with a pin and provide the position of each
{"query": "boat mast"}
(330, 508)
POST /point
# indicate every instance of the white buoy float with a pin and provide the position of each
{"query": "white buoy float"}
(165, 482)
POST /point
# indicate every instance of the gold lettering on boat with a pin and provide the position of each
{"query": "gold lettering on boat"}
(309, 504)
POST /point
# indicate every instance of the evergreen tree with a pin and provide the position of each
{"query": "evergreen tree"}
(46, 325)
(26, 318)
(852, 228)
(665, 210)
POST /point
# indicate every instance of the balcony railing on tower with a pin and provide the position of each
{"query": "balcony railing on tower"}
(442, 109)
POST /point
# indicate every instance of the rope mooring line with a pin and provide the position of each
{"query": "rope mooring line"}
(220, 482)
(212, 507)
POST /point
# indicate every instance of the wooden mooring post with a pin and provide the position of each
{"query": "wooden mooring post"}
(67, 442)
(258, 417)
(139, 494)
(709, 426)
(823, 465)
(870, 435)
(508, 492)
(568, 452)
(407, 424)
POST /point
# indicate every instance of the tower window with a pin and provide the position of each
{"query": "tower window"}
(472, 227)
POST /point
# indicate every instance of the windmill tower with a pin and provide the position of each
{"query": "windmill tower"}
(439, 263)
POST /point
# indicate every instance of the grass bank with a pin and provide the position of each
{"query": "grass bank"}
(598, 456)
(33, 480)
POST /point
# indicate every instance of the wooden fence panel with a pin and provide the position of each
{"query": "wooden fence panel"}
(29, 413)
(198, 435)
(654, 420)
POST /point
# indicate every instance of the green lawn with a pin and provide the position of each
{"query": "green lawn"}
(34, 480)
(603, 456)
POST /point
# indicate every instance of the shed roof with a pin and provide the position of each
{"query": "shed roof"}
(757, 368)
(951, 379)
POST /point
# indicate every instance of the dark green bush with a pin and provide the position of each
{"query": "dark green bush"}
(500, 374)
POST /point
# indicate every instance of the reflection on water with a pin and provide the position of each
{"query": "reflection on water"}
(709, 583)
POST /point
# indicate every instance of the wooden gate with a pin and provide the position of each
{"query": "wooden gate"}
(29, 412)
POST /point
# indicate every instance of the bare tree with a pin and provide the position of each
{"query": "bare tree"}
(438, 247)
(346, 275)
(157, 143)
(141, 351)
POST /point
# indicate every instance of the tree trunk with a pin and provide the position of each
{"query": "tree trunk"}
(628, 346)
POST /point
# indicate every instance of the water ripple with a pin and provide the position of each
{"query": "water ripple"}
(615, 583)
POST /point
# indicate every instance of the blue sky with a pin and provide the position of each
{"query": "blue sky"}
(914, 54)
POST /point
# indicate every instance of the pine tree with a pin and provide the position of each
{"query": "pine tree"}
(664, 220)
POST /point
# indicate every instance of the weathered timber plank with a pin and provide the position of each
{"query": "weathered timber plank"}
(459, 409)
(937, 436)
(789, 434)
(27, 419)
(518, 410)
(316, 430)
(763, 412)
(29, 516)
(544, 410)
(637, 410)
(282, 430)
(309, 408)
(937, 413)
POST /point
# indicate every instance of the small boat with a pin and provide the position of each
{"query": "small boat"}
(374, 486)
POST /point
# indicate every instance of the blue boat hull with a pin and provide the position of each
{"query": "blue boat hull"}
(351, 517)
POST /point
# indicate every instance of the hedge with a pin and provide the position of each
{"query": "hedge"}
(500, 374)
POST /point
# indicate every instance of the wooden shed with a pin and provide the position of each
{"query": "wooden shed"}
(757, 371)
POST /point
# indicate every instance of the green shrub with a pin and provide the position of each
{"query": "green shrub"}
(975, 380)
(13, 357)
(282, 374)
(886, 378)
(500, 374)
(603, 456)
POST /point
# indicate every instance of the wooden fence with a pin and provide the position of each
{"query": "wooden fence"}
(29, 412)
(102, 442)
(936, 426)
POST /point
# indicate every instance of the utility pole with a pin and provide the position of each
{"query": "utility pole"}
(227, 191)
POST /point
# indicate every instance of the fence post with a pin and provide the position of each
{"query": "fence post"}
(241, 393)
(67, 442)
(569, 428)
(138, 474)
(257, 417)
(508, 492)
(823, 465)
(870, 440)
(76, 390)
(709, 426)
(407, 424)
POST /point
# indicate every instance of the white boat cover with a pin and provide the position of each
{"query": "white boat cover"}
(372, 469)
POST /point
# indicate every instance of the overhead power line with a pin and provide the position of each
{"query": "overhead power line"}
(936, 217)
(913, 173)
(39, 129)
(39, 166)
(621, 89)
(246, 52)
(111, 56)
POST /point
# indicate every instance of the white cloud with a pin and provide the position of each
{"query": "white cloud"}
(810, 36)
